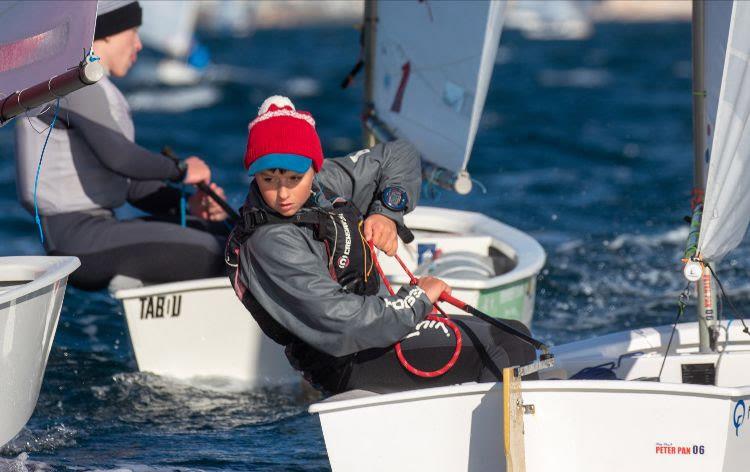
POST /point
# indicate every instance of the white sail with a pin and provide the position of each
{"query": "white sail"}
(433, 64)
(168, 26)
(42, 39)
(717, 16)
(727, 203)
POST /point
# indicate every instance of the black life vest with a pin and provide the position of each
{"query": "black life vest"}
(349, 263)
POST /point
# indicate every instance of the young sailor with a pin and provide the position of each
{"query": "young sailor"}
(92, 166)
(299, 262)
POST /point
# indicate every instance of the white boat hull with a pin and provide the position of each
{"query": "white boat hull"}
(31, 296)
(577, 425)
(200, 329)
(213, 335)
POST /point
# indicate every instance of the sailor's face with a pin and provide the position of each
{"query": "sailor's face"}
(119, 51)
(285, 191)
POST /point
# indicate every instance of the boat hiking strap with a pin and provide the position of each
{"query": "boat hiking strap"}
(431, 317)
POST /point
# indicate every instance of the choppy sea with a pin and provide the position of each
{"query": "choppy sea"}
(585, 145)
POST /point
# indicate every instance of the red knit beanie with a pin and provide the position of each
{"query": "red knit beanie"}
(282, 138)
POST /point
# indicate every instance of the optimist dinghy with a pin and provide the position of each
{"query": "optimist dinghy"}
(41, 46)
(31, 296)
(671, 398)
(199, 328)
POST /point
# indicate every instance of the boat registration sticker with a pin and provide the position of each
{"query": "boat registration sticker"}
(168, 306)
(670, 449)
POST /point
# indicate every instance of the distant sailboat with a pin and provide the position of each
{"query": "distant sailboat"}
(552, 20)
(43, 48)
(169, 27)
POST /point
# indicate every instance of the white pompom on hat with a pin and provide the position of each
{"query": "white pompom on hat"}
(279, 101)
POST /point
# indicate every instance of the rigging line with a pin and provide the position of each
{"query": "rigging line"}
(183, 206)
(480, 185)
(734, 311)
(47, 107)
(38, 171)
(681, 303)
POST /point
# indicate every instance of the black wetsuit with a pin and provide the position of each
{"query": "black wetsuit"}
(486, 351)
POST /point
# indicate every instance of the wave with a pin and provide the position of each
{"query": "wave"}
(189, 405)
(672, 237)
(577, 78)
(31, 441)
(174, 100)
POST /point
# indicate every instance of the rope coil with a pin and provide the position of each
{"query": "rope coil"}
(442, 319)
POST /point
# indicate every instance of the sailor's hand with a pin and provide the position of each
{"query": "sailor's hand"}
(205, 207)
(381, 230)
(434, 287)
(197, 171)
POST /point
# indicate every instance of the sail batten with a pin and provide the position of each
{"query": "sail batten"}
(433, 65)
(727, 202)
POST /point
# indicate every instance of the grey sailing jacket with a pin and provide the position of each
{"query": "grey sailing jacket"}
(91, 161)
(286, 269)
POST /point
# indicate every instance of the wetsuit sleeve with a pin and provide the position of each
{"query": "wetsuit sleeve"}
(89, 113)
(120, 155)
(361, 176)
(292, 283)
(154, 196)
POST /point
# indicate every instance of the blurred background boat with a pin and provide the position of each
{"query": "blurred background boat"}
(557, 20)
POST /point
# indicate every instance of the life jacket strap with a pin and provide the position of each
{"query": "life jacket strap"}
(256, 217)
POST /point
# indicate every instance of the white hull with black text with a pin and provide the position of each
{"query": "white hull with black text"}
(199, 328)
(569, 425)
(31, 296)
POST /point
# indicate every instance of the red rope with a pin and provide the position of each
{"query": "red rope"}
(445, 320)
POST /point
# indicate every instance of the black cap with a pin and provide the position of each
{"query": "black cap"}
(124, 16)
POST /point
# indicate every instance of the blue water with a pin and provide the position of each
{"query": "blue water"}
(586, 145)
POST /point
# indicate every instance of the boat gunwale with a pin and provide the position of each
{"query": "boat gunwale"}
(534, 386)
(52, 268)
